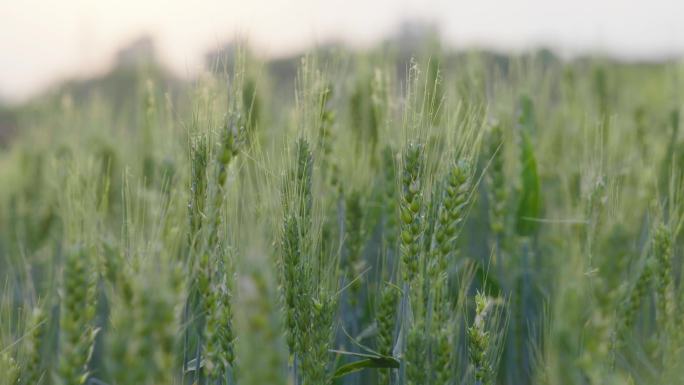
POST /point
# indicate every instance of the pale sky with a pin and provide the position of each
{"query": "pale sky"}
(42, 41)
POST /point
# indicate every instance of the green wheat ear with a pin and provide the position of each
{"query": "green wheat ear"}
(630, 309)
(479, 341)
(297, 202)
(33, 370)
(77, 334)
(416, 354)
(386, 323)
(411, 207)
(219, 333)
(457, 190)
(198, 183)
(485, 339)
(443, 355)
(355, 238)
(387, 318)
(315, 355)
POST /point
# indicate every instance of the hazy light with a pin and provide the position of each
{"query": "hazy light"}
(42, 41)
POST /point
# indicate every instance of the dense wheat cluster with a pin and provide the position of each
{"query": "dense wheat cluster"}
(441, 220)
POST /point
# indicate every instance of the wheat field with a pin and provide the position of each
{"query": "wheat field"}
(437, 219)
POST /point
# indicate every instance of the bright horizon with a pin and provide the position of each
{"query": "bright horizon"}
(45, 41)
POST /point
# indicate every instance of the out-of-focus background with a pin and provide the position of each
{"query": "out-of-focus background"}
(76, 46)
(45, 41)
